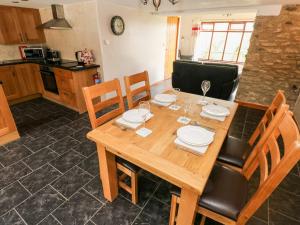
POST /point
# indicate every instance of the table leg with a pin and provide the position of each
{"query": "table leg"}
(187, 207)
(108, 173)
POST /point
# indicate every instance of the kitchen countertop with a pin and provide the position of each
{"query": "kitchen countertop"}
(63, 64)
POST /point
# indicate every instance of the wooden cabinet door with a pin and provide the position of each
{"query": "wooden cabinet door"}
(9, 82)
(27, 80)
(10, 32)
(29, 19)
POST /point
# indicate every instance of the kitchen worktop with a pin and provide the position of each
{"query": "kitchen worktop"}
(63, 64)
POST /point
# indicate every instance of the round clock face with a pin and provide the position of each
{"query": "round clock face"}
(117, 25)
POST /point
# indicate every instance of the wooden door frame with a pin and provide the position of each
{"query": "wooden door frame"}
(177, 42)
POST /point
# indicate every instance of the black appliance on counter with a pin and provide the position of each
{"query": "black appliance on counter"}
(53, 55)
(34, 53)
(49, 80)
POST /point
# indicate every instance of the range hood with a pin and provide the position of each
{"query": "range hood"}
(58, 21)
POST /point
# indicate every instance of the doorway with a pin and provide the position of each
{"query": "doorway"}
(171, 44)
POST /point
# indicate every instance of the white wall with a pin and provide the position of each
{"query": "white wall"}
(141, 47)
(84, 32)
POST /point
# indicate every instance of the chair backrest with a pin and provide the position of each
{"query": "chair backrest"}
(133, 96)
(95, 104)
(279, 153)
(278, 100)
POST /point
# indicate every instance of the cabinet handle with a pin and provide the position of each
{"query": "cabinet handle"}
(26, 37)
(21, 36)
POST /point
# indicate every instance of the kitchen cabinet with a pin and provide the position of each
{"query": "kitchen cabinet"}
(28, 83)
(8, 129)
(9, 82)
(70, 86)
(29, 19)
(18, 26)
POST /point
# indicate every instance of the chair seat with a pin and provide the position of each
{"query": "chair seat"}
(234, 152)
(225, 193)
(127, 164)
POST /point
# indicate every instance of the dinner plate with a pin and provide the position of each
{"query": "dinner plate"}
(216, 110)
(135, 115)
(165, 98)
(195, 135)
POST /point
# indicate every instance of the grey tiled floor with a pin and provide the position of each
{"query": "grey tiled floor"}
(51, 176)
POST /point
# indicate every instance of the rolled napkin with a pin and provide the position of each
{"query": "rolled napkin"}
(130, 125)
(219, 118)
(199, 150)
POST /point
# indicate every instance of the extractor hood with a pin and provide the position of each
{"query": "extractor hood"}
(58, 21)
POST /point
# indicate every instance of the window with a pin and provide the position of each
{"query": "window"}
(223, 41)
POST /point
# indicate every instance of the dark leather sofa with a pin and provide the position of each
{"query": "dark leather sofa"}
(188, 76)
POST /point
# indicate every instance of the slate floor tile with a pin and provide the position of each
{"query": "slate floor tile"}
(146, 220)
(280, 219)
(255, 221)
(59, 122)
(86, 148)
(12, 173)
(14, 155)
(11, 218)
(3, 151)
(40, 143)
(40, 205)
(71, 181)
(157, 210)
(78, 210)
(79, 124)
(119, 212)
(67, 161)
(91, 164)
(40, 178)
(291, 203)
(61, 132)
(163, 192)
(146, 188)
(50, 220)
(64, 145)
(80, 135)
(40, 158)
(291, 183)
(94, 187)
(11, 196)
(40, 131)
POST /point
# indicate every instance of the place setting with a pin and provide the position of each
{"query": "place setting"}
(134, 118)
(164, 100)
(194, 138)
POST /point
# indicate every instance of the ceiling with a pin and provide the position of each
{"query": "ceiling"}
(166, 7)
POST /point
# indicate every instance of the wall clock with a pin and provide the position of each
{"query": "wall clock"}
(117, 25)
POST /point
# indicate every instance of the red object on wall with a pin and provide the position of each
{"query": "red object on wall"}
(21, 50)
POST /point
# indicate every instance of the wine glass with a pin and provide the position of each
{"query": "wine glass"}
(176, 92)
(205, 86)
(144, 110)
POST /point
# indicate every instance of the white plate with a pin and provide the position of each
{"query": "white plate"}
(195, 135)
(166, 98)
(135, 115)
(216, 110)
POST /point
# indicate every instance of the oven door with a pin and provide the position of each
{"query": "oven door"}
(49, 81)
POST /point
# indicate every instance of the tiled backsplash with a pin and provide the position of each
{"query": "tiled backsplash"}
(8, 52)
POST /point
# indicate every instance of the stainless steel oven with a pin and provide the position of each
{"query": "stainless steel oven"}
(49, 80)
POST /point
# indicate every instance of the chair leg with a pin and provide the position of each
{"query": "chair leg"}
(134, 187)
(173, 210)
(202, 222)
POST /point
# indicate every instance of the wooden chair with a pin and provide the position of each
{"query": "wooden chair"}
(133, 96)
(237, 153)
(94, 105)
(225, 196)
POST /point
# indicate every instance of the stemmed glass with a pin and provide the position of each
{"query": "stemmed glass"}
(205, 86)
(176, 92)
(144, 110)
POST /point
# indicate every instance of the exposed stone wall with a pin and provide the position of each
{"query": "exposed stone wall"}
(273, 60)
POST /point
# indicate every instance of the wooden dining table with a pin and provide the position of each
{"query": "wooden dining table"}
(159, 155)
